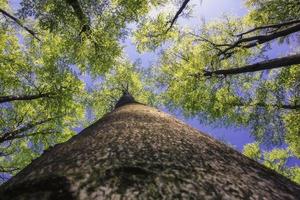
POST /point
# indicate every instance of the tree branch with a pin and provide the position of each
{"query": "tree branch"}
(17, 21)
(9, 98)
(80, 15)
(7, 136)
(260, 39)
(44, 132)
(8, 169)
(179, 11)
(270, 26)
(280, 106)
(265, 65)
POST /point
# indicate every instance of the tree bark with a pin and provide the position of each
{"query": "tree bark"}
(138, 152)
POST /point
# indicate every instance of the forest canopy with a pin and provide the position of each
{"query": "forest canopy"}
(63, 64)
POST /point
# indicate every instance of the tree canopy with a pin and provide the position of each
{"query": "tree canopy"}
(223, 71)
(63, 65)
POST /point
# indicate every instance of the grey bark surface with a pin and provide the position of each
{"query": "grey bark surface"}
(139, 152)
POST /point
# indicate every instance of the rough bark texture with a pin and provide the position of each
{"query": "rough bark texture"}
(138, 152)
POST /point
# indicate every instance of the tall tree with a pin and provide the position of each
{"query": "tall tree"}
(138, 152)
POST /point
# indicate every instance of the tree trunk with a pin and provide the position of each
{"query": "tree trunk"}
(138, 152)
